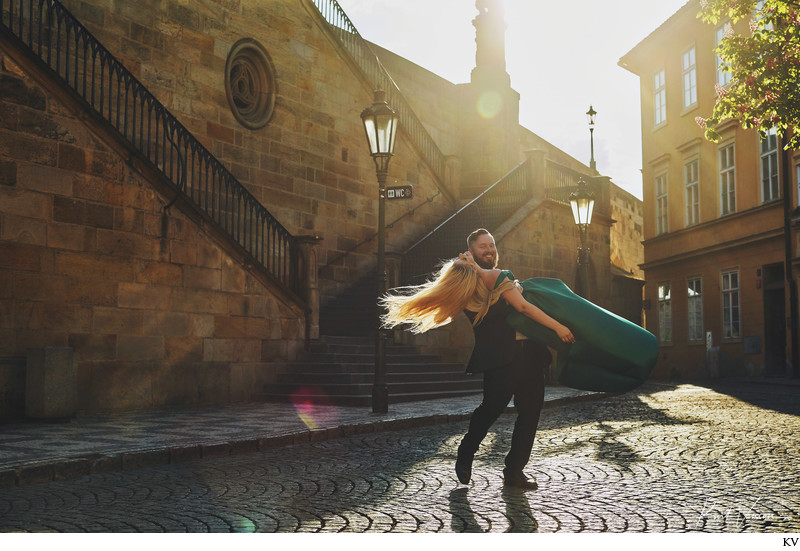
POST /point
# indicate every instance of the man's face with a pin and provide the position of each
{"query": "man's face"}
(484, 251)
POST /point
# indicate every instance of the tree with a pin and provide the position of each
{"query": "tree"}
(764, 91)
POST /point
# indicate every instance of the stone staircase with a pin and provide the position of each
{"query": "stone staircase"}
(354, 313)
(338, 370)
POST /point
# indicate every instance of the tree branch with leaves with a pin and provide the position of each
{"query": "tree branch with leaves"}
(764, 63)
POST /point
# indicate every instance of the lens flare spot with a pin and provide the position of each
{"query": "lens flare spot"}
(313, 408)
(489, 105)
(244, 525)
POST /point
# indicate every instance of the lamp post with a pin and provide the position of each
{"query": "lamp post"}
(582, 203)
(380, 124)
(590, 116)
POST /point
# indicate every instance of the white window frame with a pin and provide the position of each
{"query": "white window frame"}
(731, 305)
(768, 149)
(689, 77)
(661, 185)
(659, 98)
(694, 308)
(691, 181)
(723, 77)
(665, 312)
(727, 179)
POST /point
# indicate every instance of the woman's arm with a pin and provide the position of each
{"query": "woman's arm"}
(517, 301)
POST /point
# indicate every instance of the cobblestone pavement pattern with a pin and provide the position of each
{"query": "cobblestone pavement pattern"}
(665, 459)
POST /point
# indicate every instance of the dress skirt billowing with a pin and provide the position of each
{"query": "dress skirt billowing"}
(610, 354)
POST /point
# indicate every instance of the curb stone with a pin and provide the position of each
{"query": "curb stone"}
(73, 467)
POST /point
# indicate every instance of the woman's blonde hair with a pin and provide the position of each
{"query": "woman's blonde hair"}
(434, 303)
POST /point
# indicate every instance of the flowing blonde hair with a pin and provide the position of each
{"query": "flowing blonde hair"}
(436, 302)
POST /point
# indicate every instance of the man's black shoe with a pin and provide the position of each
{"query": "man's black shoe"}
(519, 480)
(464, 468)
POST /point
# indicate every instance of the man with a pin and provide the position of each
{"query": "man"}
(510, 367)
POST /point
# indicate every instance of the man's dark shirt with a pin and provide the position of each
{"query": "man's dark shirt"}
(494, 339)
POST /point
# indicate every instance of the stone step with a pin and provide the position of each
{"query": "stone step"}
(310, 378)
(365, 389)
(367, 358)
(350, 389)
(366, 348)
(366, 367)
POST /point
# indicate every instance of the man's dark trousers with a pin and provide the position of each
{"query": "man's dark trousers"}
(522, 378)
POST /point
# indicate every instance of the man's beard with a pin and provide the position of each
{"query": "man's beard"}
(487, 265)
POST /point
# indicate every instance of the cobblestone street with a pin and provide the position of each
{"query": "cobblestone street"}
(664, 459)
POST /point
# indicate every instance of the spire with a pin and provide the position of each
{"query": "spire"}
(490, 54)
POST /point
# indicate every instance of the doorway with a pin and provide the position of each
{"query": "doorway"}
(774, 321)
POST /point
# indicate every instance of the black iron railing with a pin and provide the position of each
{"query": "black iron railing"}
(491, 209)
(59, 41)
(358, 48)
(488, 210)
(560, 181)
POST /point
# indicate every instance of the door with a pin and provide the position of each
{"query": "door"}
(774, 321)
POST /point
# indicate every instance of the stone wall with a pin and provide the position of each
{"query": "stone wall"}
(627, 251)
(309, 165)
(157, 312)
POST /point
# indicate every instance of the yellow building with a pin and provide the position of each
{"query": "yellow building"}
(716, 293)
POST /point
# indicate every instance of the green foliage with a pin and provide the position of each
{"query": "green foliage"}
(764, 64)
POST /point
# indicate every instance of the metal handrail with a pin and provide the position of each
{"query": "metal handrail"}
(560, 181)
(59, 41)
(488, 210)
(363, 56)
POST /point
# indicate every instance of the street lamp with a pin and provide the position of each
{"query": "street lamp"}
(582, 203)
(380, 124)
(590, 116)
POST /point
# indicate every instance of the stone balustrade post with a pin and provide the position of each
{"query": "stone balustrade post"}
(309, 282)
(452, 174)
(537, 181)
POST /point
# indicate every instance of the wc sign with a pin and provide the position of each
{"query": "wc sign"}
(399, 192)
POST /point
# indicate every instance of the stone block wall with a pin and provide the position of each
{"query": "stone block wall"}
(310, 164)
(627, 250)
(156, 311)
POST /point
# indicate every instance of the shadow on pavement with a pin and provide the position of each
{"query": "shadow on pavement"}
(615, 417)
(780, 395)
(518, 512)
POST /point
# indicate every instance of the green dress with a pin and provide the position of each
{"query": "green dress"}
(610, 354)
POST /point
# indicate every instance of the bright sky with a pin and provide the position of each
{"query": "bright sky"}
(561, 56)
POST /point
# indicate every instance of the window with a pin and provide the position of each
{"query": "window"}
(769, 167)
(723, 77)
(691, 179)
(689, 78)
(731, 321)
(660, 98)
(664, 313)
(797, 175)
(727, 180)
(250, 84)
(695, 308)
(662, 225)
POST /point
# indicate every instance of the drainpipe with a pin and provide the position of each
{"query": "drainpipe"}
(787, 236)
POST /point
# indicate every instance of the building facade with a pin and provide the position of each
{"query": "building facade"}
(154, 278)
(716, 294)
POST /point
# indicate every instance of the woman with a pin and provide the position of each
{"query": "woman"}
(610, 354)
(462, 285)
